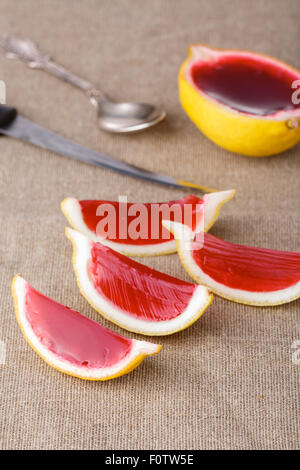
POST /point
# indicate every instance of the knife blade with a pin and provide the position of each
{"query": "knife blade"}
(13, 125)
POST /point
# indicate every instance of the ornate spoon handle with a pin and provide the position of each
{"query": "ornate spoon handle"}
(26, 50)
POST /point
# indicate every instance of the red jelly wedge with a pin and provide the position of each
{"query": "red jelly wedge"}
(249, 275)
(71, 342)
(132, 295)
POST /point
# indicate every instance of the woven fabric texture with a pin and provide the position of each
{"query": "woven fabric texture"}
(228, 382)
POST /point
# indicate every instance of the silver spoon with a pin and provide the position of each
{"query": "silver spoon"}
(112, 117)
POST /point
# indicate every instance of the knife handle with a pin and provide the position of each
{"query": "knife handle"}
(7, 115)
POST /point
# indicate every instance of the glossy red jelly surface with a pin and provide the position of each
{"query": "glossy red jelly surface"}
(148, 216)
(141, 291)
(247, 84)
(247, 268)
(72, 336)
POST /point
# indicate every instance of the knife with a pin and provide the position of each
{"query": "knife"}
(13, 125)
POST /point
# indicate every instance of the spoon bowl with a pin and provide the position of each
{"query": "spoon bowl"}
(127, 117)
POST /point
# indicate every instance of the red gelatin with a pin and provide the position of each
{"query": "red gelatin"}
(247, 268)
(123, 235)
(137, 289)
(251, 85)
(72, 336)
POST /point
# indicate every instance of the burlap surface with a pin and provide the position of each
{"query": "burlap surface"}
(228, 381)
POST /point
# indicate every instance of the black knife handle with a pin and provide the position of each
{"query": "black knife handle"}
(7, 115)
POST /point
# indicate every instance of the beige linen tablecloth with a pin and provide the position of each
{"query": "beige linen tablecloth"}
(229, 381)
